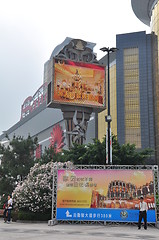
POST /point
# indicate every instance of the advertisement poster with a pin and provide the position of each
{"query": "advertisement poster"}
(104, 195)
(79, 83)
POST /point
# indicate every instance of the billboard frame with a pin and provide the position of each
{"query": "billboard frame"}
(54, 221)
(57, 104)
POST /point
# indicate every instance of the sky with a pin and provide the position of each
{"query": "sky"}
(31, 29)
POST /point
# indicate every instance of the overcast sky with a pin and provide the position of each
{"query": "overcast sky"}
(31, 29)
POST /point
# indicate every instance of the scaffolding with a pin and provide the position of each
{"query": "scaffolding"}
(70, 167)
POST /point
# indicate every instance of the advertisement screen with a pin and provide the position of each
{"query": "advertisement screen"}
(79, 83)
(104, 195)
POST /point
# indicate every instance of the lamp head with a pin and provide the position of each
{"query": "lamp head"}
(113, 49)
(108, 118)
(104, 49)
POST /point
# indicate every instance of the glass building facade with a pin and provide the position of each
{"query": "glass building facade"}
(148, 12)
(135, 115)
(132, 96)
(131, 92)
(155, 31)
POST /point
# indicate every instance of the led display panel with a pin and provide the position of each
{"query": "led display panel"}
(78, 83)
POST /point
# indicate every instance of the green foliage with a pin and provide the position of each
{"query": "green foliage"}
(3, 200)
(127, 154)
(86, 154)
(33, 195)
(49, 155)
(17, 159)
(94, 153)
(130, 156)
(75, 155)
(116, 151)
(35, 192)
(31, 216)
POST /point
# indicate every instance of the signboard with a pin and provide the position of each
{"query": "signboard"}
(104, 195)
(31, 103)
(78, 83)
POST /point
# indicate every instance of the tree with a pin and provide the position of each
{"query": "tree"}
(17, 159)
(116, 151)
(76, 154)
(49, 155)
(34, 194)
(94, 153)
(127, 154)
(130, 156)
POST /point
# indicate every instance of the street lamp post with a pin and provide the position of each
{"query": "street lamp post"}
(108, 118)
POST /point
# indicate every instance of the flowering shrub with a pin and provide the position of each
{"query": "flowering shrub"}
(35, 192)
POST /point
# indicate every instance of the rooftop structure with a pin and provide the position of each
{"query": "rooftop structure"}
(143, 9)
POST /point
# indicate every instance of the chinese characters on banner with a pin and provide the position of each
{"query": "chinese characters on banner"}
(104, 195)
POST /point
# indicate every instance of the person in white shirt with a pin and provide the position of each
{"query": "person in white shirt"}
(142, 213)
(9, 208)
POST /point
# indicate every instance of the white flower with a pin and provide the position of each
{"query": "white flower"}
(35, 193)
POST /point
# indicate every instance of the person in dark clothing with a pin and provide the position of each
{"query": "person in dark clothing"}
(5, 207)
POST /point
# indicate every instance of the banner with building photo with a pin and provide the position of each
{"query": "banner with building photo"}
(104, 195)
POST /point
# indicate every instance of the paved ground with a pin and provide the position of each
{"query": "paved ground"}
(41, 231)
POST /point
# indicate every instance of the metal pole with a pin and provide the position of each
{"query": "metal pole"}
(108, 117)
(108, 110)
(53, 189)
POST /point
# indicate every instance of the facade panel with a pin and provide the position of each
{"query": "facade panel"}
(132, 97)
(41, 124)
(135, 122)
(148, 12)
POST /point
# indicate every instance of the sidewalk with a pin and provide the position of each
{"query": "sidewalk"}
(41, 231)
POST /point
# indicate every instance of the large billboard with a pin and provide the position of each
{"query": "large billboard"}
(104, 195)
(78, 83)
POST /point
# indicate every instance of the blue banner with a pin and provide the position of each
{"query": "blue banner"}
(111, 215)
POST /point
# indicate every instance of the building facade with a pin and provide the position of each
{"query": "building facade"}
(133, 106)
(50, 125)
(47, 125)
(135, 90)
(147, 11)
(131, 92)
(134, 84)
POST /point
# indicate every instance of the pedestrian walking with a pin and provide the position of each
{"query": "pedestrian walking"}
(142, 213)
(8, 208)
(5, 207)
